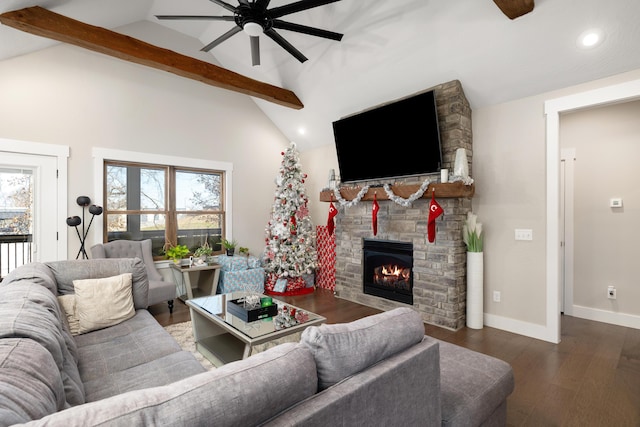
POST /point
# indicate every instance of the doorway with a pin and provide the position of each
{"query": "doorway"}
(553, 108)
(32, 203)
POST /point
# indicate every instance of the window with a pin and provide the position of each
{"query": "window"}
(167, 204)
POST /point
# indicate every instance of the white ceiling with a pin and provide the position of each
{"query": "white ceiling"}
(390, 49)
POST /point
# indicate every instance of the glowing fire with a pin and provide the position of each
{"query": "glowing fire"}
(392, 270)
(394, 276)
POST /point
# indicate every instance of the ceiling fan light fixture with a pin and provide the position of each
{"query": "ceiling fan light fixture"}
(252, 29)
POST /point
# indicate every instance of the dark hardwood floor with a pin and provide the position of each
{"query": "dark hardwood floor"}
(592, 378)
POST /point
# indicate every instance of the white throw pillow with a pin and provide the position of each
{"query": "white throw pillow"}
(68, 303)
(103, 302)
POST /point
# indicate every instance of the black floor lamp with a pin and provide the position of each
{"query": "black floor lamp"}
(75, 221)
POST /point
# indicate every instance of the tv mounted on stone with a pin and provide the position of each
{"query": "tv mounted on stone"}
(394, 140)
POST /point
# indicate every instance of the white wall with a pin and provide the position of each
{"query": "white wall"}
(69, 96)
(606, 239)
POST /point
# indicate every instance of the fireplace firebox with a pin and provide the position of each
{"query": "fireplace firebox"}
(388, 269)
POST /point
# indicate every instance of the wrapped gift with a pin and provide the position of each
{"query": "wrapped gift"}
(251, 280)
(326, 249)
(233, 263)
(253, 262)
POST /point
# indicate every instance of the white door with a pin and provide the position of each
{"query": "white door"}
(41, 173)
(567, 160)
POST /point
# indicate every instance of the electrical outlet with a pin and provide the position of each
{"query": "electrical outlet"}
(496, 296)
(524, 234)
(611, 292)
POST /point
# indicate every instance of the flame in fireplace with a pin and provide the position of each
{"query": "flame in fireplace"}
(391, 270)
(394, 276)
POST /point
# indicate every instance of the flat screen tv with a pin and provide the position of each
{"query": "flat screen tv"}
(394, 140)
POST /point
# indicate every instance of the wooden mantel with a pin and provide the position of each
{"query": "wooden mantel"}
(442, 190)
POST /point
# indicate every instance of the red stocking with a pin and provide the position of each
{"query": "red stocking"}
(332, 213)
(374, 214)
(435, 210)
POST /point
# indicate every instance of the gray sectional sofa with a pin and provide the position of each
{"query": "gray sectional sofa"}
(377, 371)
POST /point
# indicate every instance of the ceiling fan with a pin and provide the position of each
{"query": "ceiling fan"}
(255, 18)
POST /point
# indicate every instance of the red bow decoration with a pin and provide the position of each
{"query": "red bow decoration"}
(374, 214)
(435, 210)
(332, 213)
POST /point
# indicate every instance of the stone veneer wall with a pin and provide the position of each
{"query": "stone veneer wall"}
(439, 268)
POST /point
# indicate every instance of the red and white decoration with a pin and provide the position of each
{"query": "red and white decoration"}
(331, 225)
(290, 252)
(326, 248)
(435, 210)
(374, 214)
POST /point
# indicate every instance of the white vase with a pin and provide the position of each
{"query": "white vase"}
(461, 163)
(475, 290)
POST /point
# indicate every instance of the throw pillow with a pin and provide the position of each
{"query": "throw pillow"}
(343, 349)
(103, 302)
(68, 303)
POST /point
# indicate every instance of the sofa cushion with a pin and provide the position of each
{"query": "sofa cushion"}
(67, 271)
(136, 353)
(473, 385)
(35, 272)
(30, 383)
(157, 372)
(243, 393)
(104, 302)
(341, 350)
(29, 310)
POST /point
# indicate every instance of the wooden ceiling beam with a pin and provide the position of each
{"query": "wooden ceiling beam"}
(515, 8)
(42, 22)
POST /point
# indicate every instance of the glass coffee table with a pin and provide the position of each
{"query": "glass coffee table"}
(222, 337)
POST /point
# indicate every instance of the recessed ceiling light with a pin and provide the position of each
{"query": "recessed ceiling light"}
(302, 130)
(590, 38)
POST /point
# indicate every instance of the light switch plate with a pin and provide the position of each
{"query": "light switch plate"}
(524, 234)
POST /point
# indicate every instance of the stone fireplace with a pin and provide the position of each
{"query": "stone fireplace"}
(438, 269)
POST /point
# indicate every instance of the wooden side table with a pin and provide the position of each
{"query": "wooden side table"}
(196, 281)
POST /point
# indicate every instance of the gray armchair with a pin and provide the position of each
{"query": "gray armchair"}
(159, 289)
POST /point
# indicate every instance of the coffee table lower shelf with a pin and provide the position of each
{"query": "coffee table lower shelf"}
(223, 338)
(221, 349)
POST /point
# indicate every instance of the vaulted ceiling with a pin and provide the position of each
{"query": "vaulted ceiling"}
(390, 49)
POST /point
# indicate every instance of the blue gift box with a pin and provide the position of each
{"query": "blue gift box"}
(251, 280)
(233, 263)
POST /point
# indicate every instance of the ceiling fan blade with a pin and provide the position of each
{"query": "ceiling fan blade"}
(298, 6)
(272, 34)
(226, 5)
(283, 25)
(255, 50)
(222, 38)
(196, 17)
(262, 4)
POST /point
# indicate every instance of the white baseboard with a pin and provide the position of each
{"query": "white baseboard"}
(527, 329)
(620, 319)
(541, 332)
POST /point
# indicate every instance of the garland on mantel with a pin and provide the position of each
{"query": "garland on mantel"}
(392, 196)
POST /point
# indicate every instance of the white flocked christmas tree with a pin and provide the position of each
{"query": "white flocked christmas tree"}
(290, 253)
